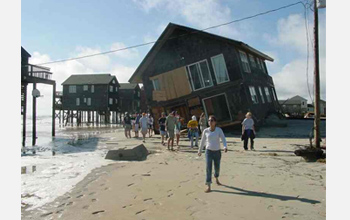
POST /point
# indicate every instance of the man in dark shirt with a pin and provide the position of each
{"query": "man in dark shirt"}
(161, 122)
(127, 125)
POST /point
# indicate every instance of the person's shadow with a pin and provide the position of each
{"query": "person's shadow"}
(265, 195)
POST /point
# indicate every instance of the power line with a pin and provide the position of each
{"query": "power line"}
(152, 42)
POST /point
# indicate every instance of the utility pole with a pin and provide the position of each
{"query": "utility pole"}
(317, 77)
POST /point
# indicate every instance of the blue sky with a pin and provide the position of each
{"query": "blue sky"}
(52, 30)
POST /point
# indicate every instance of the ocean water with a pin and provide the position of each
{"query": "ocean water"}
(77, 152)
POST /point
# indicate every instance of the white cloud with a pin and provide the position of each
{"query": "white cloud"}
(98, 63)
(198, 13)
(124, 54)
(290, 77)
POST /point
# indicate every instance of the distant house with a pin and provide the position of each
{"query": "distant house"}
(310, 107)
(192, 71)
(130, 94)
(91, 92)
(295, 106)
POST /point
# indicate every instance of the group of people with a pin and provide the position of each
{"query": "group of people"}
(143, 122)
(170, 126)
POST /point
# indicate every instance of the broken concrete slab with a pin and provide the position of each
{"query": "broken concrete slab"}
(137, 153)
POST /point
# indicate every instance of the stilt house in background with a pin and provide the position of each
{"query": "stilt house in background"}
(192, 71)
(130, 94)
(91, 95)
(34, 74)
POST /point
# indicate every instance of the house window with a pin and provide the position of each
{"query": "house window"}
(220, 69)
(245, 62)
(138, 93)
(116, 101)
(258, 62)
(84, 100)
(85, 87)
(110, 101)
(72, 89)
(78, 101)
(252, 60)
(138, 104)
(111, 88)
(267, 93)
(263, 66)
(113, 81)
(253, 95)
(200, 75)
(156, 85)
(261, 95)
(89, 101)
(116, 89)
(92, 89)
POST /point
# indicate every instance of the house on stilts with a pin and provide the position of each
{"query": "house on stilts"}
(34, 74)
(193, 71)
(89, 98)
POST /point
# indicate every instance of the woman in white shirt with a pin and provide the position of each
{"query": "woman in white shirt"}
(211, 139)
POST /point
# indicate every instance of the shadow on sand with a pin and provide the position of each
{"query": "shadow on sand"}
(265, 195)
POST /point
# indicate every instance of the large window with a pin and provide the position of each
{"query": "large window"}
(267, 93)
(116, 101)
(245, 62)
(200, 75)
(218, 106)
(253, 95)
(89, 101)
(252, 60)
(72, 89)
(263, 66)
(85, 87)
(261, 95)
(220, 69)
(78, 101)
(111, 88)
(92, 89)
(156, 85)
(110, 101)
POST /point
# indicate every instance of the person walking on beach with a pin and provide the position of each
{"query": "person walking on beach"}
(211, 139)
(144, 126)
(203, 123)
(161, 122)
(192, 126)
(177, 129)
(150, 125)
(127, 125)
(137, 125)
(170, 128)
(248, 131)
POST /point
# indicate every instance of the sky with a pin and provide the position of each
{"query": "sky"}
(53, 30)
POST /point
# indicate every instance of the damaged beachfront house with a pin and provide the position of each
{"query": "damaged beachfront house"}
(192, 71)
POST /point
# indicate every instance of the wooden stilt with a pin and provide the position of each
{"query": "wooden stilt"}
(24, 87)
(53, 109)
(34, 118)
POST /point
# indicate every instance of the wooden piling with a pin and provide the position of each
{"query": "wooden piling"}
(34, 118)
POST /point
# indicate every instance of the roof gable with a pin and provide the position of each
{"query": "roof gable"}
(137, 75)
(128, 85)
(89, 79)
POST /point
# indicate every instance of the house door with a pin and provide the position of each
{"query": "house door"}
(218, 106)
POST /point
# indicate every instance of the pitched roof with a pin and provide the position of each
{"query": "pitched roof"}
(293, 101)
(88, 79)
(128, 85)
(24, 52)
(135, 78)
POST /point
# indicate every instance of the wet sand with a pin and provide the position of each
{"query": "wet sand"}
(269, 183)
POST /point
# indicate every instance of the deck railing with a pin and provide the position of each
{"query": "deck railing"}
(38, 71)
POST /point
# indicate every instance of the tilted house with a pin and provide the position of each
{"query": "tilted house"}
(91, 92)
(130, 94)
(193, 71)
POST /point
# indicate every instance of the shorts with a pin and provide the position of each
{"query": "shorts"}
(163, 133)
(128, 127)
(136, 127)
(171, 133)
(150, 126)
(177, 131)
(144, 130)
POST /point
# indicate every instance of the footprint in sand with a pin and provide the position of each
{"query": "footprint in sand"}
(94, 213)
(131, 184)
(90, 194)
(46, 214)
(171, 194)
(147, 199)
(59, 211)
(140, 212)
(85, 207)
(69, 203)
(79, 196)
(93, 200)
(61, 205)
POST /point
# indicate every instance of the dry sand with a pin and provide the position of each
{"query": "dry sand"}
(269, 183)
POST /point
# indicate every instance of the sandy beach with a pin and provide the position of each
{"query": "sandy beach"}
(269, 183)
